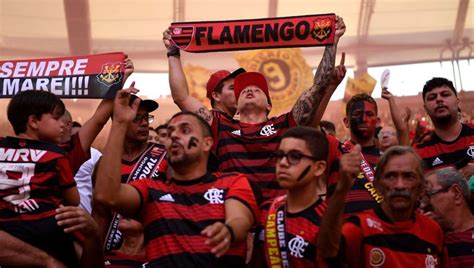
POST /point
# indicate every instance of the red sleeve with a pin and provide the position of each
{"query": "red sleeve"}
(65, 175)
(351, 244)
(76, 154)
(242, 191)
(142, 188)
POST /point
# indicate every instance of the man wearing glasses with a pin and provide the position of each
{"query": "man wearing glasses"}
(290, 223)
(395, 234)
(140, 159)
(447, 201)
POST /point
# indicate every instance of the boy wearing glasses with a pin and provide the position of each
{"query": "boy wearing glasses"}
(140, 159)
(290, 223)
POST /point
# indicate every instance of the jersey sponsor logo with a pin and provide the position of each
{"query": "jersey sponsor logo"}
(297, 246)
(215, 196)
(26, 155)
(430, 261)
(437, 161)
(374, 224)
(167, 197)
(376, 257)
(267, 130)
(236, 132)
(470, 151)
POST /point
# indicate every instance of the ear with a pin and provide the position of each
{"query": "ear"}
(269, 108)
(458, 196)
(208, 141)
(378, 121)
(346, 122)
(319, 168)
(216, 96)
(32, 122)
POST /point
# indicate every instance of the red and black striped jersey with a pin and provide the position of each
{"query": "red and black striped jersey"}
(371, 239)
(174, 213)
(302, 230)
(437, 153)
(249, 148)
(460, 249)
(33, 174)
(362, 195)
(75, 153)
(117, 259)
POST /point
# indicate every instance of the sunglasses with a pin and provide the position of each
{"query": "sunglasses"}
(293, 156)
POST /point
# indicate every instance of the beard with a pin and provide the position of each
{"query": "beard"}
(183, 160)
(443, 120)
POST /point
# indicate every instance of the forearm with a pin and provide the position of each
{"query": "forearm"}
(319, 112)
(400, 125)
(95, 124)
(304, 110)
(14, 252)
(108, 177)
(240, 226)
(178, 83)
(331, 226)
(92, 253)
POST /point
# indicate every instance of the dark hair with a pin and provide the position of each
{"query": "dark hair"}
(327, 125)
(316, 141)
(397, 150)
(217, 89)
(357, 98)
(436, 82)
(205, 127)
(162, 126)
(76, 124)
(32, 102)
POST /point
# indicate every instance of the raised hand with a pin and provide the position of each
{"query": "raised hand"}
(339, 72)
(386, 94)
(123, 112)
(129, 68)
(349, 168)
(340, 29)
(167, 38)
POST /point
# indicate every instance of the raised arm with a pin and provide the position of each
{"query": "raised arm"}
(398, 121)
(109, 190)
(92, 127)
(178, 84)
(331, 226)
(304, 110)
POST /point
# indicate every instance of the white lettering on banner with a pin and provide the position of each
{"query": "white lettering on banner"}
(61, 86)
(18, 176)
(21, 69)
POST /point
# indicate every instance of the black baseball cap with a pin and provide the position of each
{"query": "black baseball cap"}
(149, 105)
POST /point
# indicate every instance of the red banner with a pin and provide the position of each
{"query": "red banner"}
(94, 76)
(301, 31)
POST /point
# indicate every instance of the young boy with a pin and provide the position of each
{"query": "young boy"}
(35, 175)
(290, 223)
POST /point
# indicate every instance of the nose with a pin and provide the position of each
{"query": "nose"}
(400, 183)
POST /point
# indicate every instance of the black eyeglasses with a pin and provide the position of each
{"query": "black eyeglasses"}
(293, 157)
(435, 192)
(148, 117)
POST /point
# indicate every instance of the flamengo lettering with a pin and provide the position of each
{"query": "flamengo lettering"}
(256, 33)
(35, 75)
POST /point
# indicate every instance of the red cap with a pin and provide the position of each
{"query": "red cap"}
(250, 79)
(218, 77)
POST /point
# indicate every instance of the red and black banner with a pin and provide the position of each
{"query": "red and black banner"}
(94, 76)
(301, 31)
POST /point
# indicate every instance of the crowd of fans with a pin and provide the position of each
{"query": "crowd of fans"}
(209, 190)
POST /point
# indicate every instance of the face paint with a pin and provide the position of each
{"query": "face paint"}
(193, 142)
(361, 118)
(304, 173)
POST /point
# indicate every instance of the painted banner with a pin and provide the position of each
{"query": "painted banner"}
(95, 76)
(299, 31)
(287, 73)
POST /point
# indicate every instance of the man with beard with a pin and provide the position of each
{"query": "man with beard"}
(447, 201)
(361, 118)
(452, 142)
(194, 219)
(392, 235)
